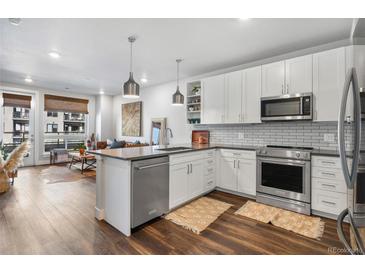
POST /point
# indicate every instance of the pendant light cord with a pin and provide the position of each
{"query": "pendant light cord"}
(177, 74)
(131, 60)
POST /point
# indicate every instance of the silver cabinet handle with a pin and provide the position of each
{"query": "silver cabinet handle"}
(234, 164)
(333, 186)
(328, 173)
(329, 203)
(282, 89)
(287, 88)
(188, 169)
(191, 168)
(328, 162)
(151, 166)
(238, 163)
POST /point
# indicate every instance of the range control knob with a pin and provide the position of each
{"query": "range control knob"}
(264, 151)
(297, 154)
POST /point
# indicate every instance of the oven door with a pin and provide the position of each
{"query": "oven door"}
(284, 178)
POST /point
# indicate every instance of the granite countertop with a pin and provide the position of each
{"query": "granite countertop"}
(139, 153)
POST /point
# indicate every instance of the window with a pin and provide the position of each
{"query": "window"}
(52, 114)
(52, 128)
(65, 121)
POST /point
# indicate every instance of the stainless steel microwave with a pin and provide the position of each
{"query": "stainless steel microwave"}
(287, 107)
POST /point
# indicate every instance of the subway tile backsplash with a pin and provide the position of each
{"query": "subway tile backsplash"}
(304, 133)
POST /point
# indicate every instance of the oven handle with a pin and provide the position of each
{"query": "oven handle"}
(288, 162)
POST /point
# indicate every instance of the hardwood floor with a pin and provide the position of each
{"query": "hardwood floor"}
(50, 210)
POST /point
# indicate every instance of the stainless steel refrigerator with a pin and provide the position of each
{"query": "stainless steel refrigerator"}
(355, 173)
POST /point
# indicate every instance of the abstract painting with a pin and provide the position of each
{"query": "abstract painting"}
(131, 119)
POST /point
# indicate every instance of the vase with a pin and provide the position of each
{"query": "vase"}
(82, 151)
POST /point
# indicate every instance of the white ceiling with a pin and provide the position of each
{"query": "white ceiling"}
(95, 52)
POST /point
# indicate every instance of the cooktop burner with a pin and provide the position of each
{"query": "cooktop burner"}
(290, 147)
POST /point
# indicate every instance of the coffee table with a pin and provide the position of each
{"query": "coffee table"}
(87, 161)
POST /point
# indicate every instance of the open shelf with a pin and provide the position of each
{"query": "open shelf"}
(193, 102)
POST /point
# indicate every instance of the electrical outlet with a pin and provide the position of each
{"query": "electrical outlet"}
(241, 136)
(329, 137)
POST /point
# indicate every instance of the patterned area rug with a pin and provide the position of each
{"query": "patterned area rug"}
(199, 214)
(312, 227)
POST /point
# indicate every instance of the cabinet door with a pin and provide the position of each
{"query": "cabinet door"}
(179, 192)
(328, 81)
(246, 176)
(298, 75)
(227, 173)
(196, 179)
(233, 97)
(251, 83)
(213, 100)
(273, 76)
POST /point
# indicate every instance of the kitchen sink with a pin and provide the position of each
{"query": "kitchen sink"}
(173, 148)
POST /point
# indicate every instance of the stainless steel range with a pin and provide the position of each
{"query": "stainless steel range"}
(284, 177)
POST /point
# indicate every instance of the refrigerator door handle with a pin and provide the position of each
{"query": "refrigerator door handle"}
(350, 178)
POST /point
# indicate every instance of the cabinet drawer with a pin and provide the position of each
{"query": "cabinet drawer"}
(209, 153)
(328, 162)
(245, 154)
(185, 157)
(329, 185)
(209, 182)
(209, 170)
(327, 173)
(210, 162)
(328, 202)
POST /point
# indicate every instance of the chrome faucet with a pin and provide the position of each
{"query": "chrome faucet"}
(166, 137)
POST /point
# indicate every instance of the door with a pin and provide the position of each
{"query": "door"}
(233, 97)
(298, 75)
(273, 79)
(328, 81)
(213, 100)
(17, 123)
(196, 179)
(246, 176)
(227, 173)
(179, 192)
(251, 83)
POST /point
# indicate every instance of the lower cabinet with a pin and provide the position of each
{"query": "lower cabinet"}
(237, 171)
(179, 178)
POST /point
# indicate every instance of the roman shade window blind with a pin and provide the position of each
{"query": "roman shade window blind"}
(65, 104)
(15, 100)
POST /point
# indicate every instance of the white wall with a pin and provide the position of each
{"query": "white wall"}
(156, 103)
(104, 117)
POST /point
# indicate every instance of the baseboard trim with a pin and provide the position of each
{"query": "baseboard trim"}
(236, 193)
(99, 214)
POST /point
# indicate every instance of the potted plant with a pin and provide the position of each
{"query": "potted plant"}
(81, 148)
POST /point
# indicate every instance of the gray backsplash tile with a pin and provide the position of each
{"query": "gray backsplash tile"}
(304, 133)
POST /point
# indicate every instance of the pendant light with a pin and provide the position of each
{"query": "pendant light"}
(131, 87)
(177, 97)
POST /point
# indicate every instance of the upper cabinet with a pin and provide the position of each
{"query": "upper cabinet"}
(233, 97)
(251, 87)
(273, 79)
(213, 100)
(298, 75)
(287, 77)
(328, 81)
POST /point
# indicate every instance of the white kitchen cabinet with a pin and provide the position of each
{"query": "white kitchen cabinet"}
(179, 184)
(233, 97)
(246, 176)
(237, 171)
(227, 173)
(213, 99)
(328, 81)
(298, 75)
(196, 179)
(251, 85)
(273, 79)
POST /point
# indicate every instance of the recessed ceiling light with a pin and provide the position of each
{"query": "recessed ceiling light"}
(244, 19)
(54, 54)
(15, 21)
(28, 80)
(144, 80)
(101, 91)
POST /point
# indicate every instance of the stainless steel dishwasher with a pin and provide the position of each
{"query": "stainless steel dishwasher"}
(150, 189)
